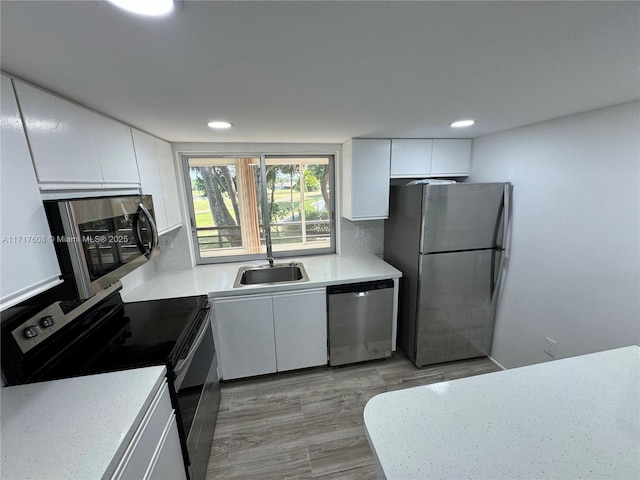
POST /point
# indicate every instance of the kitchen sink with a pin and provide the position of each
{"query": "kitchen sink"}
(264, 275)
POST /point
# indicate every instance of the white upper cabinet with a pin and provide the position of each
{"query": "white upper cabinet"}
(366, 167)
(451, 157)
(115, 152)
(424, 158)
(169, 184)
(74, 147)
(157, 177)
(29, 263)
(145, 148)
(64, 150)
(411, 158)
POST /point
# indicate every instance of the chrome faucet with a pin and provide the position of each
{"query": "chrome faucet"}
(265, 211)
(268, 242)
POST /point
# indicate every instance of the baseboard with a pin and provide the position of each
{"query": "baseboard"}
(497, 363)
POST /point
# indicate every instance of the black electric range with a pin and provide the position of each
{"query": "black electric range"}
(108, 335)
(112, 336)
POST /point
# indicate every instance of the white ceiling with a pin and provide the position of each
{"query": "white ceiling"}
(327, 71)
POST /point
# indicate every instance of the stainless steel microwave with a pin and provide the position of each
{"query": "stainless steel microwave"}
(99, 240)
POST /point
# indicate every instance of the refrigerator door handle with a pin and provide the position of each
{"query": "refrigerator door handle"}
(495, 281)
(506, 220)
(506, 215)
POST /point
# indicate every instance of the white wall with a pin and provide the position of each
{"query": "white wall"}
(573, 271)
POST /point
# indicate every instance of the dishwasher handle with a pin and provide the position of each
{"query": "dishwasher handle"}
(359, 288)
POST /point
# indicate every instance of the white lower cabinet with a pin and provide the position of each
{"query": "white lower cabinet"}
(154, 451)
(167, 462)
(300, 327)
(259, 334)
(244, 327)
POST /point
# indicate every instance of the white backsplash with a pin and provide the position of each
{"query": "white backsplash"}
(370, 241)
(174, 251)
(174, 255)
(133, 280)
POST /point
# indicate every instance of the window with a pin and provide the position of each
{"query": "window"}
(229, 204)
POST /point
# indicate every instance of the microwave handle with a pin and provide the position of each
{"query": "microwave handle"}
(152, 225)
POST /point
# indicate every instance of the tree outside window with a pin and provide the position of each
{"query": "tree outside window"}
(227, 205)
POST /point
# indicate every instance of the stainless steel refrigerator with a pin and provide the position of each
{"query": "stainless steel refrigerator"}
(448, 241)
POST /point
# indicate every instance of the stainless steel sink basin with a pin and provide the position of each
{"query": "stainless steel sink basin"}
(264, 275)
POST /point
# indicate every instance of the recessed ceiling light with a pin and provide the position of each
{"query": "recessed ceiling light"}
(151, 8)
(463, 123)
(219, 125)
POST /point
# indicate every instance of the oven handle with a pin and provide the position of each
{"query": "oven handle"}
(181, 367)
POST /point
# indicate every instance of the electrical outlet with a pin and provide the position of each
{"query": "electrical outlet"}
(165, 243)
(360, 231)
(550, 346)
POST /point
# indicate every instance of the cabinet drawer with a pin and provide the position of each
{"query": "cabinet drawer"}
(167, 461)
(140, 452)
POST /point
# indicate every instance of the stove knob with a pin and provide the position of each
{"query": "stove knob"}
(46, 322)
(30, 332)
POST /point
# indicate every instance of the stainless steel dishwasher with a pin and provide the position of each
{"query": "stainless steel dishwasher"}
(360, 321)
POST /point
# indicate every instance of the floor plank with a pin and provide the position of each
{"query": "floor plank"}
(308, 424)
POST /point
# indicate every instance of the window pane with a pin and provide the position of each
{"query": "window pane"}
(298, 198)
(224, 192)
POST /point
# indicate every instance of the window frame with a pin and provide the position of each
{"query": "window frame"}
(331, 208)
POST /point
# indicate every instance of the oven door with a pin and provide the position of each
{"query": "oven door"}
(106, 238)
(198, 391)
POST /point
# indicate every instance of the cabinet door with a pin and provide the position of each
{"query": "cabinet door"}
(167, 463)
(145, 148)
(29, 263)
(61, 136)
(300, 325)
(451, 157)
(169, 183)
(141, 452)
(244, 330)
(115, 151)
(365, 182)
(411, 158)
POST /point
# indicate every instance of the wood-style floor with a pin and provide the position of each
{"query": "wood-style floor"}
(308, 424)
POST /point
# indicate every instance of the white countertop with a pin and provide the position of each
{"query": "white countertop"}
(217, 280)
(76, 428)
(566, 419)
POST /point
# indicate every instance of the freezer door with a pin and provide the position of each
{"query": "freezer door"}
(455, 313)
(462, 217)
